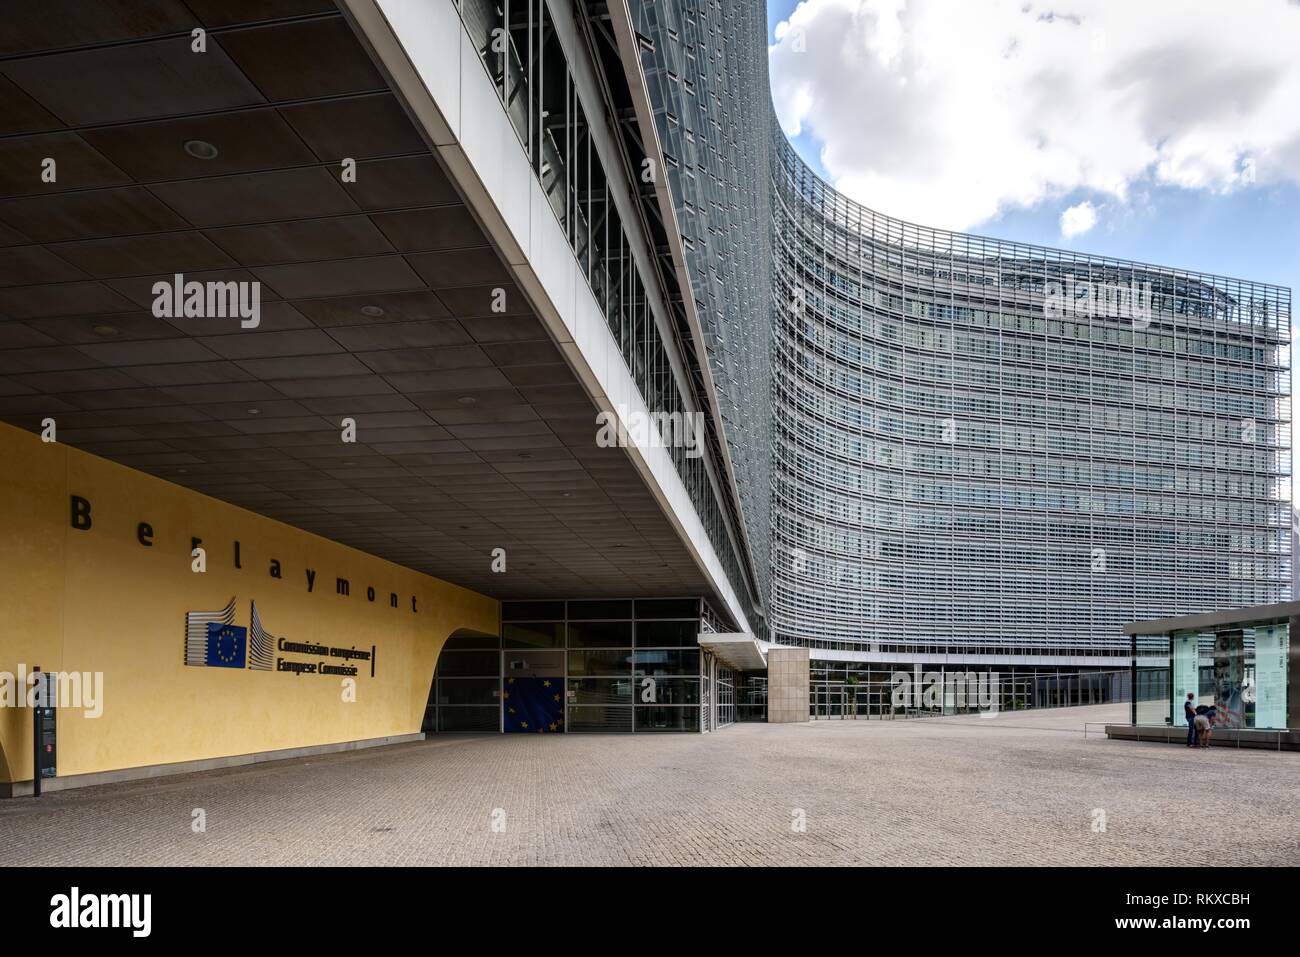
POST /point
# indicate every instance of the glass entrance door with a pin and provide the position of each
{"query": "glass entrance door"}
(532, 691)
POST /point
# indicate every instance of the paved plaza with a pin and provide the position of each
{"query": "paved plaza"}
(1026, 788)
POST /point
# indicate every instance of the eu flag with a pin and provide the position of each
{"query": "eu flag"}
(226, 645)
(533, 705)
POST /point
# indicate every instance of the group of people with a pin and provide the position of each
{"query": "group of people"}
(1200, 721)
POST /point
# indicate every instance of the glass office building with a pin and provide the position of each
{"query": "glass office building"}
(980, 449)
(924, 445)
(984, 444)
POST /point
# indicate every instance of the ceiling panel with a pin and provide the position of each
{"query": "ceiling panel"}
(360, 127)
(19, 113)
(23, 265)
(59, 24)
(257, 197)
(224, 13)
(340, 277)
(303, 59)
(399, 335)
(144, 353)
(89, 214)
(305, 240)
(443, 227)
(400, 182)
(245, 140)
(75, 298)
(395, 307)
(302, 342)
(153, 255)
(133, 81)
(76, 165)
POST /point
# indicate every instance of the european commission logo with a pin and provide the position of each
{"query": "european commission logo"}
(213, 640)
(227, 646)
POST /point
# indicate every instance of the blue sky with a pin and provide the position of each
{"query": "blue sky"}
(1160, 155)
(1253, 233)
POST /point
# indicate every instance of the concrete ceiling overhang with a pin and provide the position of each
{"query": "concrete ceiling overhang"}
(740, 650)
(473, 433)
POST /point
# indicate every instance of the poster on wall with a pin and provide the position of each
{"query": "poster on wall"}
(1184, 654)
(1271, 648)
(1229, 679)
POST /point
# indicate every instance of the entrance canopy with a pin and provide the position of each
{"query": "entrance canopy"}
(740, 650)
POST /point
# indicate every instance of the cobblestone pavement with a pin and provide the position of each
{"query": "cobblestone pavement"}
(1015, 789)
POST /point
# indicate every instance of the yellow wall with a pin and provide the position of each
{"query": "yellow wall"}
(99, 601)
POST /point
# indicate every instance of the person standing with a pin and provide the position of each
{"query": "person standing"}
(1189, 713)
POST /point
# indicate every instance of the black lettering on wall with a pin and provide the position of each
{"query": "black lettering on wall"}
(80, 513)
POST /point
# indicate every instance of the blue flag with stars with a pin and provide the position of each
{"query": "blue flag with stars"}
(533, 705)
(227, 645)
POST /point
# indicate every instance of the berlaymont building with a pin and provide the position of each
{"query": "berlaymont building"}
(400, 367)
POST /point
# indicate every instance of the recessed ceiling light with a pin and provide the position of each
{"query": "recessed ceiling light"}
(374, 312)
(566, 495)
(201, 149)
(254, 411)
(467, 400)
(182, 471)
(104, 331)
(525, 455)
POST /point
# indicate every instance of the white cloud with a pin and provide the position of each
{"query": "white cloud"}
(1078, 219)
(946, 112)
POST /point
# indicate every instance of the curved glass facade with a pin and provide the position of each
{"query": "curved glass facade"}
(975, 446)
(982, 445)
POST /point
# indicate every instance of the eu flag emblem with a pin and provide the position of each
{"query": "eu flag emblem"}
(534, 705)
(227, 645)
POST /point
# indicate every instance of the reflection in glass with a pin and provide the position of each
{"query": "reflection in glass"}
(532, 635)
(600, 634)
(666, 718)
(667, 634)
(616, 663)
(668, 662)
(600, 691)
(597, 718)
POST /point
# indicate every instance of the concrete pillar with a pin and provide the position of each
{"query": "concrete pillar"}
(787, 685)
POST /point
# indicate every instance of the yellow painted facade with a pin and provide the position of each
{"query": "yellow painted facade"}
(99, 601)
